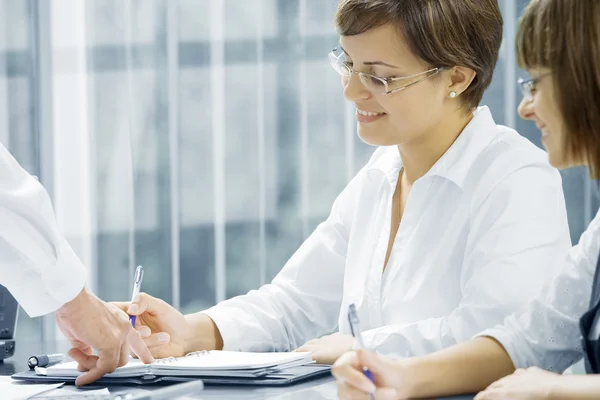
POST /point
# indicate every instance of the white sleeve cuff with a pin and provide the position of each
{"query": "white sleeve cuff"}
(227, 328)
(56, 286)
(507, 341)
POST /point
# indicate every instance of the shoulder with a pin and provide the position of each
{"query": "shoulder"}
(511, 162)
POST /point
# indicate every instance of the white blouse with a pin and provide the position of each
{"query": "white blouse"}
(547, 334)
(478, 238)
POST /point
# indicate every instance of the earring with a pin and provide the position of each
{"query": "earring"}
(453, 94)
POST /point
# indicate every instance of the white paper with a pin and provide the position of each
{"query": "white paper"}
(224, 363)
(73, 391)
(12, 390)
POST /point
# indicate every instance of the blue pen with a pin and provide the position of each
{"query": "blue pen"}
(356, 332)
(137, 284)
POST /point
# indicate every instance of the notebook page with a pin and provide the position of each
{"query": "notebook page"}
(194, 363)
(69, 369)
(232, 360)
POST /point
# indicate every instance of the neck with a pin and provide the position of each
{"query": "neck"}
(418, 156)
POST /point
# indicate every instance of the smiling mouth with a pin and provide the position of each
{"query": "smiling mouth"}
(368, 113)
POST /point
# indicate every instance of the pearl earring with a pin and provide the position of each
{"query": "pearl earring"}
(453, 94)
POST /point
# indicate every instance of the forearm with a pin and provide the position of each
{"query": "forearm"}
(466, 368)
(579, 387)
(205, 334)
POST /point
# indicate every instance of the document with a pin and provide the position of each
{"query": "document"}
(198, 364)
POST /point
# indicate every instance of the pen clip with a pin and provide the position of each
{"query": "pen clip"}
(139, 273)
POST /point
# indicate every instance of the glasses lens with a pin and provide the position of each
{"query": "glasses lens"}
(526, 87)
(372, 83)
(338, 64)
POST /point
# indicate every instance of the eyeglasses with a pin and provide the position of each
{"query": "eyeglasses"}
(528, 86)
(375, 84)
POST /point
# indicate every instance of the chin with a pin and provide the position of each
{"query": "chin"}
(557, 160)
(375, 137)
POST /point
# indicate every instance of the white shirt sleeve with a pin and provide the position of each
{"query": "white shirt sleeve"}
(304, 299)
(37, 265)
(517, 234)
(547, 335)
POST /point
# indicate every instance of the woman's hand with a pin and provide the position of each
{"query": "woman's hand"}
(523, 384)
(391, 377)
(328, 349)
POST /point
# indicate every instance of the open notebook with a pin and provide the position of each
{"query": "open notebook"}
(197, 364)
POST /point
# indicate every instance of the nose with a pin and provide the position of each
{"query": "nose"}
(525, 109)
(354, 90)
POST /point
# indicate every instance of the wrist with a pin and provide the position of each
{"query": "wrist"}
(74, 305)
(204, 334)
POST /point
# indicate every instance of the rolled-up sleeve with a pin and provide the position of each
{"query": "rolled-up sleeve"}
(37, 265)
(303, 301)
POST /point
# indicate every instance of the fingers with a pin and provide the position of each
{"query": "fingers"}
(143, 303)
(386, 394)
(353, 377)
(494, 394)
(107, 362)
(144, 331)
(121, 305)
(157, 339)
(85, 361)
(373, 362)
(347, 392)
(139, 347)
(123, 355)
(348, 370)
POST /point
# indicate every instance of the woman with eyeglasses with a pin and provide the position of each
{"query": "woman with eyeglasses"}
(558, 42)
(451, 226)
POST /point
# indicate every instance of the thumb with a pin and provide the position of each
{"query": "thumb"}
(372, 361)
(143, 303)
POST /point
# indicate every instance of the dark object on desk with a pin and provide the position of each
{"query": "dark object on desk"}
(45, 360)
(9, 310)
(285, 377)
(7, 349)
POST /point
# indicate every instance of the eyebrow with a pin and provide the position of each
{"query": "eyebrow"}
(371, 62)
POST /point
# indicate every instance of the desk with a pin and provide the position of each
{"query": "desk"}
(322, 389)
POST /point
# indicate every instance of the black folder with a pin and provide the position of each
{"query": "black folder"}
(285, 377)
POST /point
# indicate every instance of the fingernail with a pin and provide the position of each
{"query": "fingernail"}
(163, 337)
(144, 332)
(133, 308)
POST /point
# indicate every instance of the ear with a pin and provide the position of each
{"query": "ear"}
(460, 79)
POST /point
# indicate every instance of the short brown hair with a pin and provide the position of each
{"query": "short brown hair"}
(443, 33)
(564, 36)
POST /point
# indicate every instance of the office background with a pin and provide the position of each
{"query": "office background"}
(203, 139)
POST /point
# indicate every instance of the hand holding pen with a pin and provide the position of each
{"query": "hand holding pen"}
(359, 372)
(357, 333)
